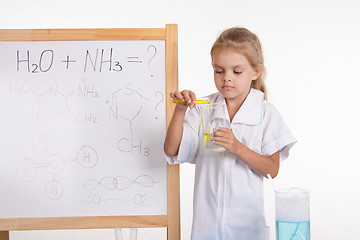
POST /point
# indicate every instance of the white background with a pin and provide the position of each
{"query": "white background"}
(311, 53)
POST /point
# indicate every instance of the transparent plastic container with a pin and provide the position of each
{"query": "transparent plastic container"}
(292, 213)
(212, 116)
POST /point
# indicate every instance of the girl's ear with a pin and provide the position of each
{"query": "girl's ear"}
(257, 72)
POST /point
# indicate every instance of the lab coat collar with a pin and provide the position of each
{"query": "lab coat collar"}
(251, 110)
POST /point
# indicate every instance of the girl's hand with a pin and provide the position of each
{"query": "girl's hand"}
(186, 96)
(225, 137)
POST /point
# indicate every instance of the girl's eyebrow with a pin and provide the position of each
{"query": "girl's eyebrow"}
(237, 66)
(215, 65)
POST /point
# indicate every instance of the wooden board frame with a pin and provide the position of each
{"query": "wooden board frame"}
(172, 220)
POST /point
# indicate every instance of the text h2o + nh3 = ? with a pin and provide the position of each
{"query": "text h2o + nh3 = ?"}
(97, 61)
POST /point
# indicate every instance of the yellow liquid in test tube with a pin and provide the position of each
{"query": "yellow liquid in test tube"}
(206, 136)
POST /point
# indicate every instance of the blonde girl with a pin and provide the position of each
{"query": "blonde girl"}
(228, 190)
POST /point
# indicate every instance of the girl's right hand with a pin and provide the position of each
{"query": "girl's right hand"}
(186, 96)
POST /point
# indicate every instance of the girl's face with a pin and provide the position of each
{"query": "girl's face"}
(233, 74)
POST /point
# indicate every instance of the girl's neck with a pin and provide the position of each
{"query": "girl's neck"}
(233, 105)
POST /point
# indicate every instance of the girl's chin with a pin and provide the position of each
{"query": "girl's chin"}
(226, 94)
(225, 90)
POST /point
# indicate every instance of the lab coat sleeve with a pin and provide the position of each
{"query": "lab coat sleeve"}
(276, 134)
(189, 141)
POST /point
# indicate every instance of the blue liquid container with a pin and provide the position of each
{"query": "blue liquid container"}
(292, 230)
(292, 210)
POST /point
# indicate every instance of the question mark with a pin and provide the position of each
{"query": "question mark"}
(152, 57)
(162, 99)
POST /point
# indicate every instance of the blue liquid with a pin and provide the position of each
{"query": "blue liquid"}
(292, 230)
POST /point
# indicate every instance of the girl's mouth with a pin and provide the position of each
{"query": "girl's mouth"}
(227, 87)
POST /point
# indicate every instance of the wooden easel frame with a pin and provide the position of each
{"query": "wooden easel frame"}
(172, 220)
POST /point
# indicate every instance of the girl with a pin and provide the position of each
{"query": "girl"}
(228, 191)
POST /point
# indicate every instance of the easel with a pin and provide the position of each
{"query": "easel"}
(118, 234)
(172, 220)
(4, 236)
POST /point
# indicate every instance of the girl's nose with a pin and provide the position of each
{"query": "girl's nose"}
(227, 76)
(227, 79)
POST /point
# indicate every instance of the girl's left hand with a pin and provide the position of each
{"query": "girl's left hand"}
(225, 137)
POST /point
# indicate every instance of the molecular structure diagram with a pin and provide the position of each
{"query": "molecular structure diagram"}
(28, 168)
(53, 102)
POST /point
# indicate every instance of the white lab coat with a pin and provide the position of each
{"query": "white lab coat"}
(228, 195)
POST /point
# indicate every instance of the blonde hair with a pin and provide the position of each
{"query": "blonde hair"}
(248, 44)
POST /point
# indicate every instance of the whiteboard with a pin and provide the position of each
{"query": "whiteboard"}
(82, 128)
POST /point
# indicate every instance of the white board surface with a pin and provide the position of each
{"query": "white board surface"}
(82, 128)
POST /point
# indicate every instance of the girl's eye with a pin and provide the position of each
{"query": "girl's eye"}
(218, 71)
(237, 72)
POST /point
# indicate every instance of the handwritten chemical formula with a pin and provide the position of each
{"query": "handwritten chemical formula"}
(101, 106)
